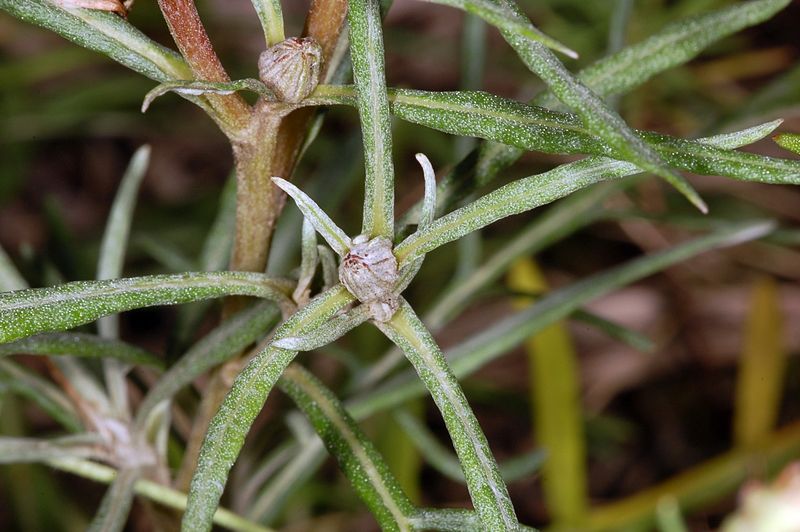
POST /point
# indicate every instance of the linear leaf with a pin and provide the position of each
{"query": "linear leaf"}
(103, 32)
(48, 397)
(20, 450)
(110, 263)
(357, 456)
(116, 504)
(555, 398)
(366, 53)
(326, 333)
(595, 114)
(486, 487)
(26, 312)
(231, 423)
(504, 19)
(788, 141)
(271, 16)
(674, 45)
(80, 345)
(484, 115)
(497, 339)
(163, 495)
(224, 342)
(199, 88)
(762, 367)
(429, 200)
(309, 257)
(526, 193)
(335, 237)
(444, 461)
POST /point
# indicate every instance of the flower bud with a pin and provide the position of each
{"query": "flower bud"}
(369, 272)
(291, 68)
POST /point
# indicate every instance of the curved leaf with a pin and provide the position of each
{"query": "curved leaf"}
(26, 312)
(80, 345)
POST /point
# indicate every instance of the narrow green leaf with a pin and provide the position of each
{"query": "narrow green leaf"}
(595, 114)
(788, 141)
(444, 461)
(26, 312)
(761, 374)
(487, 489)
(357, 456)
(491, 117)
(497, 339)
(335, 237)
(668, 516)
(448, 520)
(271, 16)
(231, 424)
(674, 45)
(103, 32)
(199, 88)
(330, 271)
(224, 342)
(614, 330)
(163, 495)
(309, 256)
(80, 345)
(22, 450)
(555, 397)
(116, 504)
(503, 19)
(326, 333)
(366, 53)
(110, 263)
(429, 200)
(10, 278)
(217, 245)
(48, 397)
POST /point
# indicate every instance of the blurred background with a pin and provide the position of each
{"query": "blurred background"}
(70, 121)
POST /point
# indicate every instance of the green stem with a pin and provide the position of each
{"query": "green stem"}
(159, 493)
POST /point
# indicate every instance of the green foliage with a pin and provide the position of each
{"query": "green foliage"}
(310, 310)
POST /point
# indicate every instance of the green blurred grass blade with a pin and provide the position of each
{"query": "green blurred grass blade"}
(103, 32)
(503, 19)
(224, 342)
(487, 490)
(80, 345)
(110, 264)
(163, 495)
(761, 377)
(674, 45)
(27, 312)
(616, 331)
(555, 398)
(357, 456)
(22, 450)
(668, 516)
(366, 53)
(778, 96)
(444, 461)
(399, 451)
(271, 16)
(496, 340)
(231, 423)
(10, 278)
(217, 245)
(48, 397)
(595, 114)
(116, 504)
